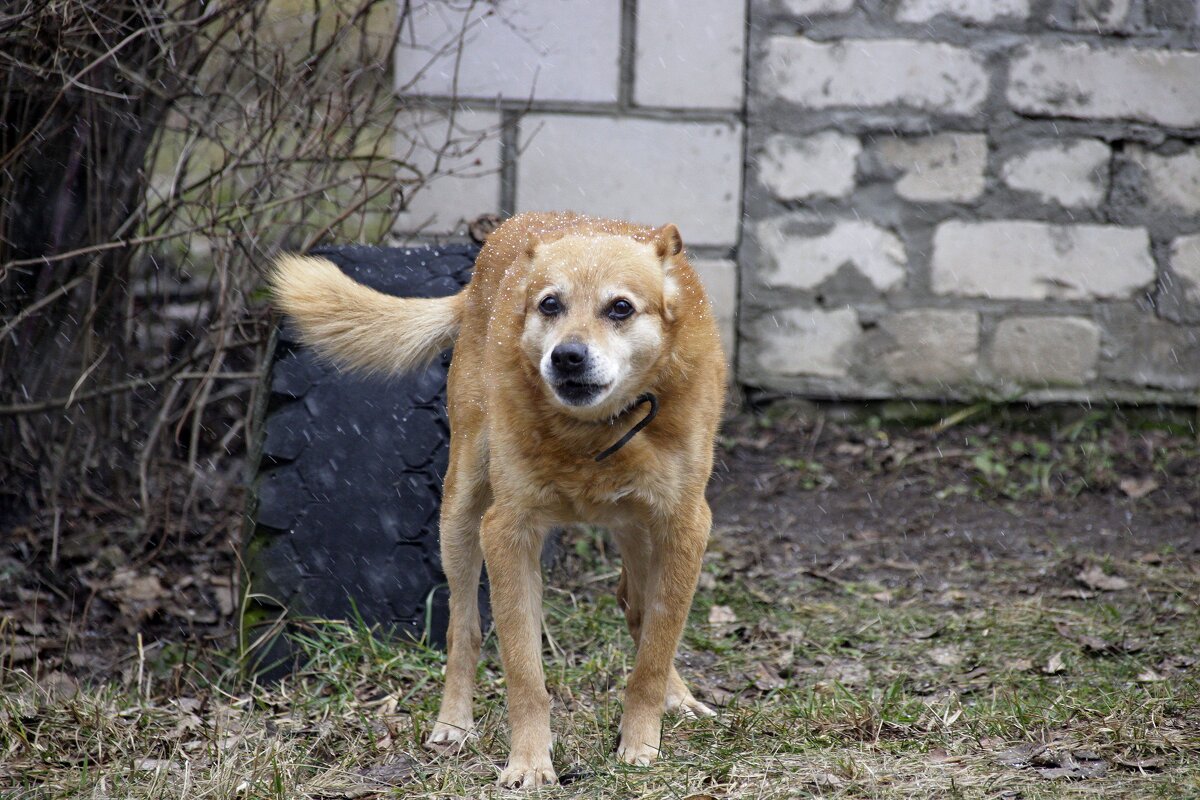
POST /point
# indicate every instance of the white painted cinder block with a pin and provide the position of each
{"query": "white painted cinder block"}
(824, 164)
(1070, 173)
(1172, 182)
(645, 171)
(690, 54)
(945, 166)
(1185, 263)
(1039, 261)
(516, 49)
(970, 10)
(804, 261)
(1051, 350)
(856, 73)
(720, 279)
(467, 179)
(1075, 80)
(816, 7)
(801, 341)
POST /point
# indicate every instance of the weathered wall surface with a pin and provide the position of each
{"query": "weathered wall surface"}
(896, 198)
(598, 106)
(955, 198)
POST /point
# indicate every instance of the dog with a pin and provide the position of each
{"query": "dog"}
(587, 384)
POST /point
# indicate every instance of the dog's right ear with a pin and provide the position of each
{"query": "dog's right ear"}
(668, 242)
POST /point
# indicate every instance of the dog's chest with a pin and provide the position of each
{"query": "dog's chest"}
(622, 499)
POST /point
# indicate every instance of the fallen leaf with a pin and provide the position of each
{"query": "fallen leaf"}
(1096, 578)
(827, 780)
(717, 695)
(1022, 755)
(721, 615)
(848, 673)
(1149, 676)
(884, 597)
(925, 633)
(948, 656)
(767, 679)
(1138, 488)
(1019, 665)
(1141, 764)
(1054, 664)
(1096, 646)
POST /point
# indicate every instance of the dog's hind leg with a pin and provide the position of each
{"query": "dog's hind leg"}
(464, 499)
(631, 588)
(512, 546)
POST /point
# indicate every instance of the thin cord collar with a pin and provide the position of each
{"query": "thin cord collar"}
(648, 397)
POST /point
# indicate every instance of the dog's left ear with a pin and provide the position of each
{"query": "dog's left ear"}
(668, 244)
(667, 241)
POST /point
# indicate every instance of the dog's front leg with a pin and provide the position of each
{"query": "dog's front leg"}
(511, 546)
(675, 566)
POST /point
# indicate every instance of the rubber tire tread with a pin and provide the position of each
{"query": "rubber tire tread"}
(349, 470)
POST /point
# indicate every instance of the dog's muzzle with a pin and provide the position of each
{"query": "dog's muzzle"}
(572, 376)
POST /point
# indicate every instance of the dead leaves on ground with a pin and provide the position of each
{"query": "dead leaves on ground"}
(1096, 578)
(1055, 763)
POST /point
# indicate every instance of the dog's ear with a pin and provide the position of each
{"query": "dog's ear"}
(531, 246)
(668, 244)
(667, 241)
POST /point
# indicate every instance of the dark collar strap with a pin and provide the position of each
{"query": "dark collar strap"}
(648, 397)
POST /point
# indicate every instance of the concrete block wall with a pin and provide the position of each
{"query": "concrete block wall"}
(886, 198)
(966, 198)
(606, 107)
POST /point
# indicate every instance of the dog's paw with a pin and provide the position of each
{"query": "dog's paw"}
(687, 706)
(638, 754)
(447, 737)
(527, 774)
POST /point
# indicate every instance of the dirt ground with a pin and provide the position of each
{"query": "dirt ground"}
(853, 499)
(989, 606)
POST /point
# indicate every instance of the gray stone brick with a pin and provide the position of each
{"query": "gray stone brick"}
(544, 49)
(1148, 352)
(802, 341)
(824, 164)
(690, 54)
(932, 346)
(969, 10)
(800, 260)
(1076, 80)
(858, 73)
(1058, 351)
(1185, 264)
(946, 166)
(1172, 182)
(1070, 173)
(647, 171)
(467, 182)
(1038, 261)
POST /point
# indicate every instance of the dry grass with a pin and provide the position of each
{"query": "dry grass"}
(844, 689)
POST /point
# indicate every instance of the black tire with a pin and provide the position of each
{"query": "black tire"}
(349, 478)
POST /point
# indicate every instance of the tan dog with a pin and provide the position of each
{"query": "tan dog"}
(567, 323)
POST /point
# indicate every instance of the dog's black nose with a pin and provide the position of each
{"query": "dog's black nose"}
(569, 356)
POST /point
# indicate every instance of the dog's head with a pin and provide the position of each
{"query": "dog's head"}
(598, 309)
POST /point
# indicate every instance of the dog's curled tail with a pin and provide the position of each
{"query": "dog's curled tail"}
(357, 327)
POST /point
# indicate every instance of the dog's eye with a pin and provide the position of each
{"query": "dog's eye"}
(550, 305)
(620, 309)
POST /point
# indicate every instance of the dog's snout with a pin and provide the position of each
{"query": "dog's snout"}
(569, 356)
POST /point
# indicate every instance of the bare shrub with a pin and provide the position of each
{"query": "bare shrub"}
(152, 155)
